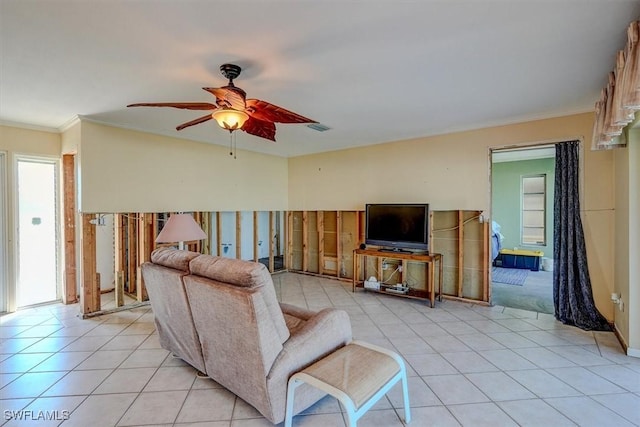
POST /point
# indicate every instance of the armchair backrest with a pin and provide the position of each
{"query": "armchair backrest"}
(163, 278)
(242, 328)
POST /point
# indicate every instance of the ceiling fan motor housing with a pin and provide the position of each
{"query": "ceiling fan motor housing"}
(230, 71)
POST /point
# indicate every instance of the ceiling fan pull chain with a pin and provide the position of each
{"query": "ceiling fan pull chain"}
(235, 145)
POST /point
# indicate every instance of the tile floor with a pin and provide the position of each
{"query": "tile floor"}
(469, 365)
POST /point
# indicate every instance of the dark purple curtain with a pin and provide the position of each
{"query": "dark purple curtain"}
(572, 295)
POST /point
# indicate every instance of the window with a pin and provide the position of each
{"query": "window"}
(534, 198)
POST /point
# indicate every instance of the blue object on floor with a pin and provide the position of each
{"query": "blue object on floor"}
(510, 276)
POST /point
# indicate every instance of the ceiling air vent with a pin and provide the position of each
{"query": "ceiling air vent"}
(319, 127)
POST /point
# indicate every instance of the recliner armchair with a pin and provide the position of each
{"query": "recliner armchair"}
(250, 343)
(171, 310)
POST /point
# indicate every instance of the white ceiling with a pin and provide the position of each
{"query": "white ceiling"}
(373, 71)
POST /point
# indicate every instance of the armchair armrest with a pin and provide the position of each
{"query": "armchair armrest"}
(321, 334)
(295, 311)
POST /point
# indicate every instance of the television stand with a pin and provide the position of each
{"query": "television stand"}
(395, 250)
(431, 262)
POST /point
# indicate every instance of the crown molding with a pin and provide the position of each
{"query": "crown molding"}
(28, 126)
(69, 124)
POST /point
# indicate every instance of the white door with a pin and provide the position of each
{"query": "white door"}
(37, 231)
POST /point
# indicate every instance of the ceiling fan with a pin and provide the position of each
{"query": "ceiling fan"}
(232, 110)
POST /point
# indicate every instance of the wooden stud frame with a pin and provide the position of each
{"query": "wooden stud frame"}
(460, 252)
(132, 252)
(119, 261)
(272, 241)
(256, 256)
(320, 227)
(145, 247)
(238, 235)
(70, 293)
(219, 233)
(89, 289)
(305, 241)
(289, 227)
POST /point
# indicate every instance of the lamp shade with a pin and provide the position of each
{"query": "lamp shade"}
(180, 228)
(229, 118)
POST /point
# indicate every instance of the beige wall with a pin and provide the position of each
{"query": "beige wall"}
(633, 303)
(128, 171)
(452, 172)
(621, 261)
(16, 142)
(71, 139)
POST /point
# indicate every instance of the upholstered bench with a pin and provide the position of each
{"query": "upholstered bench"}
(358, 375)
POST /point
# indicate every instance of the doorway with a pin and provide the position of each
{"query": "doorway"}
(37, 218)
(4, 279)
(522, 187)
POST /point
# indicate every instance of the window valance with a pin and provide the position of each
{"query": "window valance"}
(620, 99)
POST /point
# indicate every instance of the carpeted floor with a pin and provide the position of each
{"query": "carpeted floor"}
(535, 295)
(510, 276)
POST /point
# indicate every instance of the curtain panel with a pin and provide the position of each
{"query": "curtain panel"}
(572, 293)
(620, 99)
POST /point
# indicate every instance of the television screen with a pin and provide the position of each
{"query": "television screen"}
(398, 226)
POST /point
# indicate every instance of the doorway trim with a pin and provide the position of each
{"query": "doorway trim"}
(4, 242)
(525, 146)
(55, 161)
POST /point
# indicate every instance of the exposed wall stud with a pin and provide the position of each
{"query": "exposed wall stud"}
(69, 188)
(89, 290)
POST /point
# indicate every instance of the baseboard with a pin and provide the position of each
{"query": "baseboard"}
(629, 351)
(633, 352)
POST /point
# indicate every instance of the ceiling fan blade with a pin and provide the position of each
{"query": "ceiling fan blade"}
(181, 105)
(260, 128)
(228, 96)
(195, 122)
(263, 110)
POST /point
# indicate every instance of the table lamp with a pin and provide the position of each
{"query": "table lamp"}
(180, 228)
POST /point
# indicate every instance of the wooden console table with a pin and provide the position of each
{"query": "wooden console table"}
(430, 261)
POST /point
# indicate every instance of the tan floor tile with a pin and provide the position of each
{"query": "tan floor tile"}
(534, 413)
(126, 381)
(22, 362)
(491, 415)
(455, 389)
(499, 386)
(586, 412)
(509, 344)
(154, 408)
(104, 360)
(543, 384)
(30, 384)
(207, 405)
(62, 361)
(172, 378)
(100, 410)
(48, 411)
(78, 383)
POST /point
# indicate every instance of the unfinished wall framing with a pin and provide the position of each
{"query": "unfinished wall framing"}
(464, 243)
(322, 242)
(311, 242)
(255, 235)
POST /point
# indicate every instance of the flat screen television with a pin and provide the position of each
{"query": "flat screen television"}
(398, 226)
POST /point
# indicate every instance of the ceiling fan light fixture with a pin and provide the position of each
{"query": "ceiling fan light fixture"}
(229, 118)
